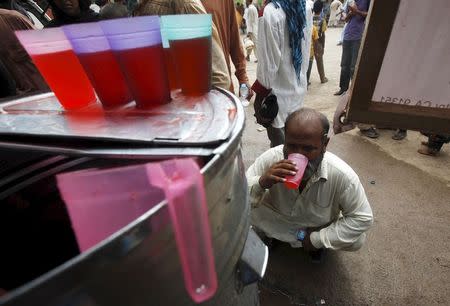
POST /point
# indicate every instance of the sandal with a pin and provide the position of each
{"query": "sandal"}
(371, 133)
(399, 134)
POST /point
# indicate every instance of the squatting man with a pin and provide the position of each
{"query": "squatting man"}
(330, 208)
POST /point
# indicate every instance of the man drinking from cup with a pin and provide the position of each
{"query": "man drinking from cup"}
(329, 210)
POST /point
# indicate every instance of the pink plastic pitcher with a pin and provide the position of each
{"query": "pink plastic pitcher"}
(100, 202)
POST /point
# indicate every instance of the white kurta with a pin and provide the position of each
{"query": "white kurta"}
(275, 67)
(335, 8)
(334, 193)
(252, 20)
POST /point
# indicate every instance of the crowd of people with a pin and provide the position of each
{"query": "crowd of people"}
(285, 36)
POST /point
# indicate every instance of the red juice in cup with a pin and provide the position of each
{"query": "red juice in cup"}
(95, 54)
(150, 89)
(172, 72)
(301, 161)
(189, 39)
(51, 52)
(193, 60)
(136, 42)
(107, 79)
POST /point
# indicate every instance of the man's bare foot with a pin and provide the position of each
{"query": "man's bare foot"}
(427, 151)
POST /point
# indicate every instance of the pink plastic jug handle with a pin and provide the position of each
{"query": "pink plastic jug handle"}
(185, 193)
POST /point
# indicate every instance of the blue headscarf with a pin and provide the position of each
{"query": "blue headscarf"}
(295, 11)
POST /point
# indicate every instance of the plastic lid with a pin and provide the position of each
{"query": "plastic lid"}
(43, 41)
(86, 37)
(177, 27)
(131, 33)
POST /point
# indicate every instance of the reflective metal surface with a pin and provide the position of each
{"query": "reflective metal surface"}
(198, 121)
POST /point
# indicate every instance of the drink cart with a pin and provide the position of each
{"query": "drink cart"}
(40, 263)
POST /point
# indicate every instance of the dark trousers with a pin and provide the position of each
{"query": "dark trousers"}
(436, 142)
(350, 49)
(320, 68)
(276, 136)
(319, 60)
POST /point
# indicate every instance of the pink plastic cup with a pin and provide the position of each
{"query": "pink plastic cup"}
(53, 55)
(301, 161)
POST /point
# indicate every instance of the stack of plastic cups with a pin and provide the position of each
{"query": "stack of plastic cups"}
(99, 62)
(58, 64)
(189, 38)
(136, 43)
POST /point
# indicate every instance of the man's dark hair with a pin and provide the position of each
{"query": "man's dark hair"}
(113, 10)
(307, 113)
(101, 3)
(317, 7)
(61, 18)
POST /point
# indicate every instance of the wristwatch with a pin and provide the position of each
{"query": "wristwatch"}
(301, 235)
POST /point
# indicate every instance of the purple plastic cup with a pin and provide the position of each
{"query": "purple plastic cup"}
(92, 49)
(301, 161)
(137, 45)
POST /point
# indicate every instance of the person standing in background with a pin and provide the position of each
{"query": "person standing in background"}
(343, 17)
(284, 38)
(252, 25)
(318, 42)
(335, 8)
(356, 17)
(18, 74)
(71, 11)
(223, 13)
(434, 144)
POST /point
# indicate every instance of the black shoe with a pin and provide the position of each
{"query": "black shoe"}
(371, 133)
(340, 92)
(399, 134)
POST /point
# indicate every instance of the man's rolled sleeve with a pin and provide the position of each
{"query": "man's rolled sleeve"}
(256, 170)
(315, 240)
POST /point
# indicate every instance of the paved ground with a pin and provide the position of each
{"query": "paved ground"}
(406, 260)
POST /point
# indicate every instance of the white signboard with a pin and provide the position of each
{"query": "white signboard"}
(416, 65)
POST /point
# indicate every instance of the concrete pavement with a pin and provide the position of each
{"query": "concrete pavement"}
(406, 260)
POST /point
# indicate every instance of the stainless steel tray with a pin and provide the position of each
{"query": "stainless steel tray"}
(202, 121)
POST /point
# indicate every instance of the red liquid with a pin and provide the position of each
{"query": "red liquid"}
(106, 77)
(193, 61)
(145, 72)
(171, 69)
(66, 78)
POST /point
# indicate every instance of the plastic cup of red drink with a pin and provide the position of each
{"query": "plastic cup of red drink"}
(189, 39)
(137, 45)
(52, 54)
(95, 55)
(301, 161)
